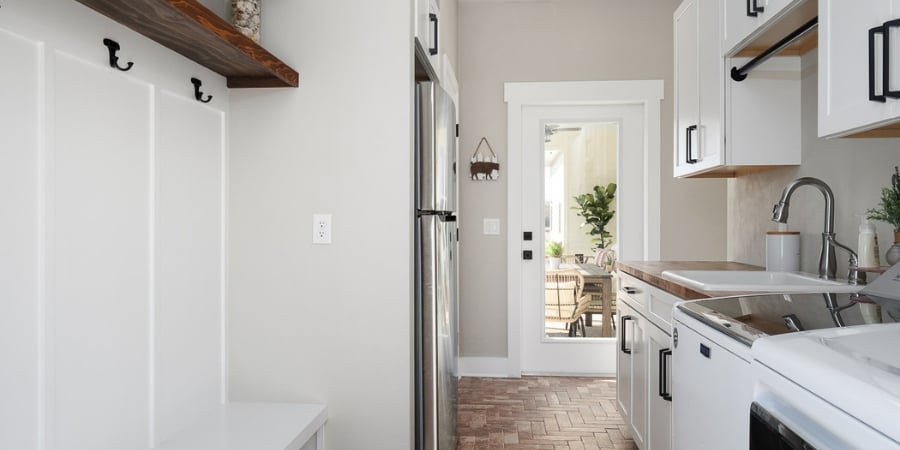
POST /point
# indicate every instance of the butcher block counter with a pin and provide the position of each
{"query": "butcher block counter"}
(651, 272)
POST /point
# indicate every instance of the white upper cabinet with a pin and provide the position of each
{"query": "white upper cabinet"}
(427, 31)
(698, 87)
(745, 18)
(853, 67)
(722, 126)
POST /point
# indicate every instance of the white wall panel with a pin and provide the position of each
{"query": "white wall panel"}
(188, 262)
(99, 257)
(19, 234)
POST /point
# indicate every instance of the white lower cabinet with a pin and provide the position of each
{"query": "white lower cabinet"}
(659, 400)
(644, 362)
(633, 368)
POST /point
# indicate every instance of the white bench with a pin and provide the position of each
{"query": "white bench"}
(255, 426)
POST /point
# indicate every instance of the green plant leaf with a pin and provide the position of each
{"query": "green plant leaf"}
(595, 208)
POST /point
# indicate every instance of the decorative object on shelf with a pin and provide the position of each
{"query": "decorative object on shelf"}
(245, 15)
(114, 48)
(889, 211)
(595, 207)
(482, 166)
(554, 254)
(197, 93)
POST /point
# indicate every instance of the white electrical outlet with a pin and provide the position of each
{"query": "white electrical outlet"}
(321, 229)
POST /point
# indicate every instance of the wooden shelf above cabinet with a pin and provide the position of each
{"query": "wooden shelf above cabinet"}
(197, 33)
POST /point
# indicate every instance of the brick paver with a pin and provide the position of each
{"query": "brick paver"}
(536, 413)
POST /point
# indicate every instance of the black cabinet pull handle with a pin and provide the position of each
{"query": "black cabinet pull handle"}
(434, 20)
(872, 95)
(689, 145)
(886, 68)
(757, 8)
(622, 347)
(663, 374)
(630, 290)
(753, 8)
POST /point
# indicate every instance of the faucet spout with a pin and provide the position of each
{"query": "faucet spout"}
(827, 260)
(780, 212)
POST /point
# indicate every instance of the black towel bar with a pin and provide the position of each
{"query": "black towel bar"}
(741, 74)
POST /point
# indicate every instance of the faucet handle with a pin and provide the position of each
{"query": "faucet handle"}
(855, 275)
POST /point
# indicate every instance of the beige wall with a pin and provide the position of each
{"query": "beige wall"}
(855, 169)
(560, 40)
(332, 323)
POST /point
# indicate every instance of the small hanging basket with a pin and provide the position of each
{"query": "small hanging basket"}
(482, 166)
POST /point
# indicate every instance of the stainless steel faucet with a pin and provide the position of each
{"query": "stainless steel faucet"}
(827, 259)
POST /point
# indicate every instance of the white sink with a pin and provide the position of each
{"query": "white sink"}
(757, 281)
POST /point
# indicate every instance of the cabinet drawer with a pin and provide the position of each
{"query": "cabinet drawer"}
(660, 304)
(635, 289)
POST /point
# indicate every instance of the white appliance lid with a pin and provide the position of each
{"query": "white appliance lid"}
(857, 369)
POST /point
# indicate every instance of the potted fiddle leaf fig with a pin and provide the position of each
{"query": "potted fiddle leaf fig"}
(554, 254)
(596, 208)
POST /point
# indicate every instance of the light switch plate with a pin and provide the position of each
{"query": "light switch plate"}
(492, 226)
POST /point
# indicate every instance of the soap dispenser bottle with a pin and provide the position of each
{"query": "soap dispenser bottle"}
(868, 245)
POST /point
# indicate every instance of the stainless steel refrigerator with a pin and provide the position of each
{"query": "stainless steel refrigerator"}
(435, 269)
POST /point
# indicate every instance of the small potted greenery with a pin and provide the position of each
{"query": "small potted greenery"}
(596, 208)
(554, 253)
(889, 211)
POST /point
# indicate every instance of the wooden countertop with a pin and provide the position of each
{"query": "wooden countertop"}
(651, 272)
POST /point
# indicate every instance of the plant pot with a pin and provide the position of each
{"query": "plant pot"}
(554, 262)
(892, 256)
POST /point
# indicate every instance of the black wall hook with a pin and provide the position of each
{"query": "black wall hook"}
(197, 94)
(114, 48)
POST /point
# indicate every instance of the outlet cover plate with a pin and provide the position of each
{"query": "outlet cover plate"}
(321, 229)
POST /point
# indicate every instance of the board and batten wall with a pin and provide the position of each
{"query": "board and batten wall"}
(112, 243)
(560, 40)
(855, 169)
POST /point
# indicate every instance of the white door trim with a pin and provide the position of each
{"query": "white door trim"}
(647, 93)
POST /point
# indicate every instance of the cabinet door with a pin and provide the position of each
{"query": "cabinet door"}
(427, 31)
(741, 17)
(844, 74)
(687, 85)
(711, 393)
(633, 371)
(698, 88)
(624, 376)
(659, 423)
(710, 69)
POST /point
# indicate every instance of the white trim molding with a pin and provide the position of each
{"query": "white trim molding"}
(647, 93)
(483, 367)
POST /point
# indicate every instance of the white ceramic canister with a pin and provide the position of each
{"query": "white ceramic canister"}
(783, 251)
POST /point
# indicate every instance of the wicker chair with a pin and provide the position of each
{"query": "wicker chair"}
(572, 259)
(563, 300)
(595, 292)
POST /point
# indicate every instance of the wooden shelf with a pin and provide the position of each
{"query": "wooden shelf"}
(200, 35)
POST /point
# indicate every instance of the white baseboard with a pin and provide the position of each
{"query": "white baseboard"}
(483, 367)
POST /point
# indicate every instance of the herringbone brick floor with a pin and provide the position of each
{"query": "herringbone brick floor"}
(537, 413)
